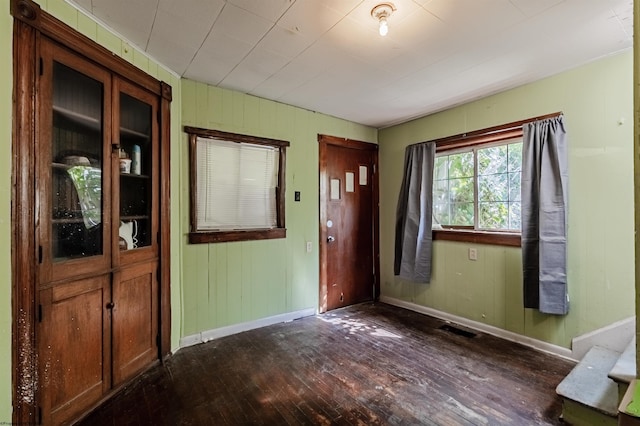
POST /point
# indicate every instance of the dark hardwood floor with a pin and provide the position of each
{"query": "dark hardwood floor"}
(362, 365)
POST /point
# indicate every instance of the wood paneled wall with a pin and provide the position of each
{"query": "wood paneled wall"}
(597, 101)
(230, 283)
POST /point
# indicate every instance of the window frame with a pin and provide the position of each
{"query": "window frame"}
(218, 236)
(479, 138)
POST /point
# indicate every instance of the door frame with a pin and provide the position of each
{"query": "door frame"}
(30, 23)
(324, 141)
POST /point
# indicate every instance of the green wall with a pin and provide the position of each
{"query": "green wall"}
(6, 88)
(88, 27)
(597, 101)
(230, 283)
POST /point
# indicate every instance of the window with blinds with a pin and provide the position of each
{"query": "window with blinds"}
(237, 186)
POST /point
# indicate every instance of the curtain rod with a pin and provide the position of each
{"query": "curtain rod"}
(491, 130)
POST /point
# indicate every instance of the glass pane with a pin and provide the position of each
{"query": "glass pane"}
(493, 188)
(462, 214)
(76, 175)
(461, 165)
(335, 189)
(515, 157)
(514, 186)
(440, 168)
(493, 215)
(135, 173)
(441, 191)
(492, 160)
(515, 218)
(461, 190)
(364, 175)
(441, 214)
(349, 182)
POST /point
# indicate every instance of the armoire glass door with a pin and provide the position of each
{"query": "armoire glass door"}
(76, 165)
(135, 173)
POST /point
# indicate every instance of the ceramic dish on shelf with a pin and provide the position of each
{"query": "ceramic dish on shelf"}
(76, 160)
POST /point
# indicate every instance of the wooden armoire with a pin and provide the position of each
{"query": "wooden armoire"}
(90, 212)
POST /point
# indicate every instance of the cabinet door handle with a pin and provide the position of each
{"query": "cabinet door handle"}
(110, 305)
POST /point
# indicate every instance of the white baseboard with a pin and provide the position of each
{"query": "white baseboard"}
(485, 328)
(217, 333)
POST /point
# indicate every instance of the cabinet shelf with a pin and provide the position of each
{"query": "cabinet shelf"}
(63, 166)
(130, 133)
(84, 120)
(67, 220)
(134, 176)
(60, 166)
(94, 123)
(81, 220)
(134, 217)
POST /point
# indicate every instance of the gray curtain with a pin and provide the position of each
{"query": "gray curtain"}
(413, 215)
(544, 216)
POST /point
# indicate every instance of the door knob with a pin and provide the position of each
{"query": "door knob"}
(110, 305)
(330, 239)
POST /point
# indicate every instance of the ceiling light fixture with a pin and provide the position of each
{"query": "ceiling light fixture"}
(381, 12)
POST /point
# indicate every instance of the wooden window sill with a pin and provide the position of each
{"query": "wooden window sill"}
(244, 235)
(510, 239)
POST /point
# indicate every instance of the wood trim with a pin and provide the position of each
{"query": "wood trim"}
(323, 289)
(478, 237)
(347, 143)
(229, 236)
(164, 278)
(192, 181)
(488, 135)
(166, 91)
(376, 228)
(480, 140)
(23, 267)
(235, 137)
(281, 190)
(26, 11)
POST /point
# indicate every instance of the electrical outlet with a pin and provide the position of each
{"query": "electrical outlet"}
(309, 246)
(473, 254)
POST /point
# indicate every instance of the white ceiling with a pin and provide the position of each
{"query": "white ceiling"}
(327, 55)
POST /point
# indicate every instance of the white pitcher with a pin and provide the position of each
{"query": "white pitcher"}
(128, 232)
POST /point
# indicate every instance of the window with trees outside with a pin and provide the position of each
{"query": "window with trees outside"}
(478, 187)
(237, 186)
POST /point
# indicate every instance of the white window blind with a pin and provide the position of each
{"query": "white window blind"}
(236, 185)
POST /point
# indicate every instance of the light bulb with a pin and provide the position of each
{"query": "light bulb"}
(384, 28)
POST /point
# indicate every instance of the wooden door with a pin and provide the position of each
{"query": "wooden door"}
(348, 222)
(73, 174)
(135, 319)
(74, 342)
(135, 240)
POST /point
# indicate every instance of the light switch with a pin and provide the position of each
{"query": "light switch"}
(309, 246)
